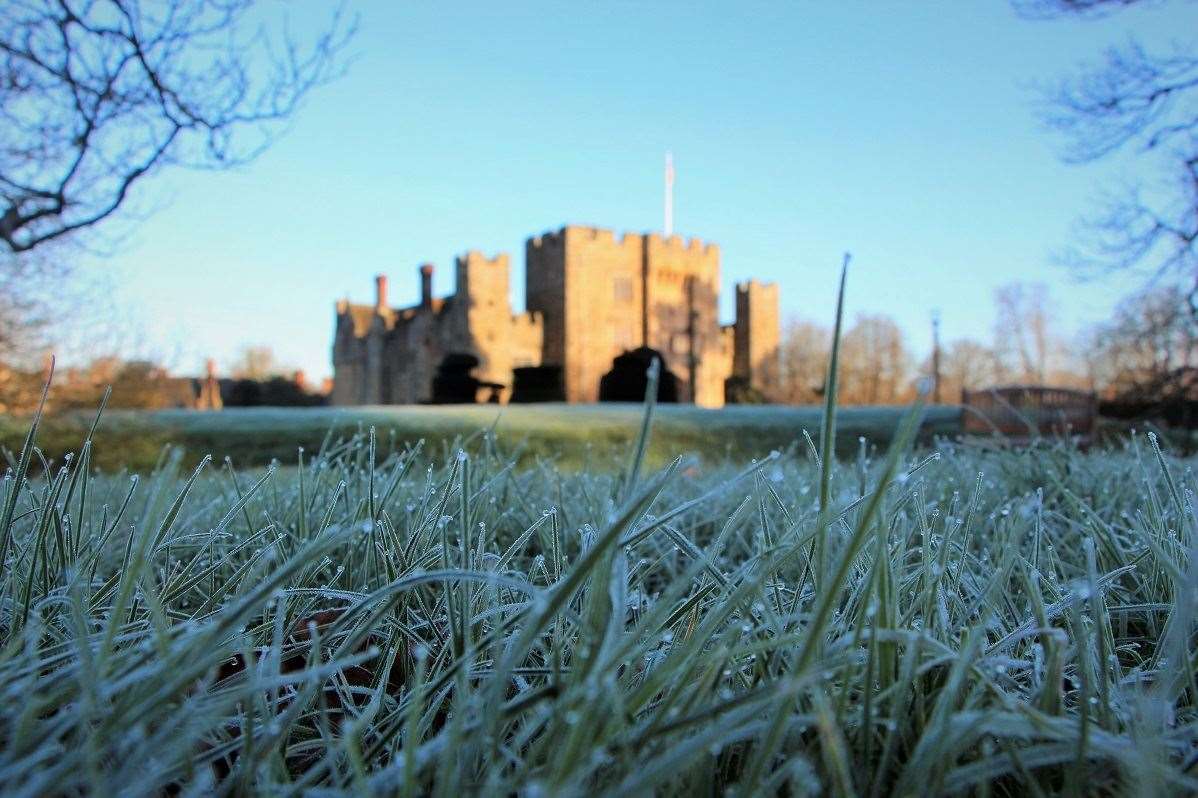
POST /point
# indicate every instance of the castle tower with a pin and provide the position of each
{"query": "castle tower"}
(209, 395)
(482, 285)
(588, 287)
(757, 335)
(483, 281)
(426, 286)
(601, 296)
(682, 281)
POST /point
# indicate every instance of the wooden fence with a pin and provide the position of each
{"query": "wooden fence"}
(1023, 412)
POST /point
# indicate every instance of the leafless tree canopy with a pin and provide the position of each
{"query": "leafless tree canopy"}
(875, 366)
(256, 363)
(1022, 338)
(803, 362)
(1149, 351)
(24, 306)
(966, 365)
(1133, 98)
(97, 94)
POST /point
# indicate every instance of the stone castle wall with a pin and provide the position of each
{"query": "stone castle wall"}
(590, 296)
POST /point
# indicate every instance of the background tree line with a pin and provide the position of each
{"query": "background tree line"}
(254, 379)
(1146, 353)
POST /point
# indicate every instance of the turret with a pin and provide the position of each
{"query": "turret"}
(758, 332)
(426, 285)
(380, 292)
(483, 281)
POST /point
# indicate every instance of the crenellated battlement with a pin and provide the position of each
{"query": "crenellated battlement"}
(602, 235)
(476, 258)
(583, 234)
(753, 286)
(545, 240)
(677, 244)
(482, 280)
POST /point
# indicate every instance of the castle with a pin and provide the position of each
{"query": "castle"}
(590, 297)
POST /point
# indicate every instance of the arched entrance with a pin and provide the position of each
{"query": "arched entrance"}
(537, 384)
(627, 380)
(455, 385)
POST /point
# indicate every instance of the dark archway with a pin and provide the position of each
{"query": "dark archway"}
(537, 384)
(627, 380)
(455, 385)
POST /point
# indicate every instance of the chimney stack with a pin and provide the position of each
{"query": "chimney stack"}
(380, 291)
(426, 285)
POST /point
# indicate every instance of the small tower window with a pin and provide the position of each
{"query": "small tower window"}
(623, 289)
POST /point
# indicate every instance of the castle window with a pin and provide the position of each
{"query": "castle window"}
(623, 289)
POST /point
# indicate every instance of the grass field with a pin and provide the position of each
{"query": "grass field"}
(572, 435)
(420, 622)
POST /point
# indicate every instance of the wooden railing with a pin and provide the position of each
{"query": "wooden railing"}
(1029, 411)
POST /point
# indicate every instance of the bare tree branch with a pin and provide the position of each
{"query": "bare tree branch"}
(1149, 351)
(1137, 99)
(1051, 9)
(96, 95)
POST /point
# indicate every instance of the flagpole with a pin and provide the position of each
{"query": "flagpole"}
(669, 209)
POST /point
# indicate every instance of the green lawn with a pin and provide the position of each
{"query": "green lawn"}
(571, 434)
(969, 621)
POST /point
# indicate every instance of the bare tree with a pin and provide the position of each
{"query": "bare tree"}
(256, 363)
(45, 305)
(97, 95)
(1023, 341)
(966, 364)
(803, 362)
(1133, 98)
(874, 363)
(1149, 351)
(25, 310)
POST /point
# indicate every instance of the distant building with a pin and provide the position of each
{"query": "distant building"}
(214, 393)
(207, 389)
(590, 298)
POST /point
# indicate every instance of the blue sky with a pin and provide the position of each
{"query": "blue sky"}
(903, 132)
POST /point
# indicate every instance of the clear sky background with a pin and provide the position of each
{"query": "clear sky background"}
(904, 132)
